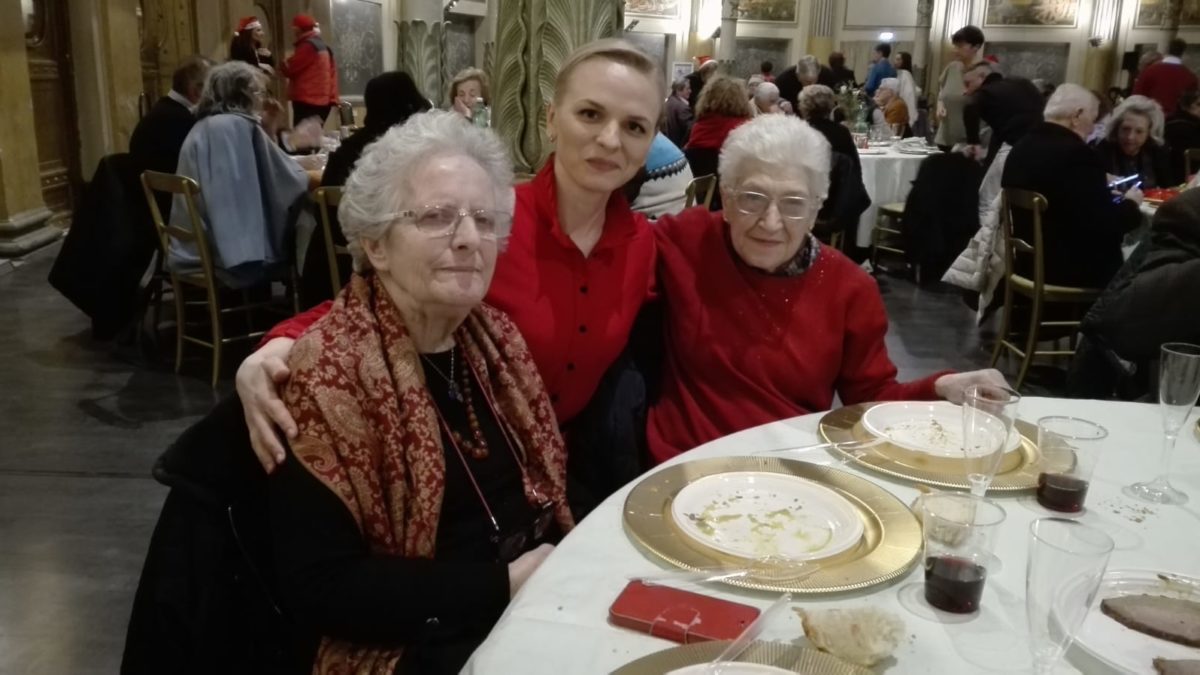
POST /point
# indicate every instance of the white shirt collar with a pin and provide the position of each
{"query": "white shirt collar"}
(1173, 59)
(181, 100)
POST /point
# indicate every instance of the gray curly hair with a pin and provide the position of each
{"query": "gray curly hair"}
(380, 185)
(233, 87)
(816, 102)
(1138, 105)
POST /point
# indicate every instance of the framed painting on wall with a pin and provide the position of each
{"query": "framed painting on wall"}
(1153, 13)
(680, 70)
(662, 9)
(774, 11)
(1033, 13)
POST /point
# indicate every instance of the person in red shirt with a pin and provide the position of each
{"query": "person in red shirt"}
(579, 263)
(762, 323)
(311, 72)
(1166, 80)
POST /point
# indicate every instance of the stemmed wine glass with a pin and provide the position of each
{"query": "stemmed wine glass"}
(989, 412)
(1178, 390)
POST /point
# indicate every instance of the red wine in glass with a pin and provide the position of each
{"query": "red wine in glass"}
(953, 584)
(1060, 492)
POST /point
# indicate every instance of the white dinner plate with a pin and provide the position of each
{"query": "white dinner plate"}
(735, 668)
(934, 427)
(872, 151)
(755, 514)
(1102, 643)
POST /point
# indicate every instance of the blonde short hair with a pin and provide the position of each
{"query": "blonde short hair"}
(466, 75)
(1138, 105)
(723, 95)
(609, 49)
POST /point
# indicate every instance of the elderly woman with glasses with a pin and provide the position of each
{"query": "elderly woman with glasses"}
(762, 322)
(1134, 144)
(427, 473)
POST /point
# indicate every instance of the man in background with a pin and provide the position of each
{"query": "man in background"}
(807, 71)
(881, 67)
(1009, 106)
(1166, 80)
(696, 79)
(679, 113)
(311, 72)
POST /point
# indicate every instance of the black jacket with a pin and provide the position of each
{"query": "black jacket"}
(848, 196)
(1182, 134)
(841, 76)
(109, 246)
(697, 83)
(941, 212)
(789, 84)
(1082, 227)
(1152, 165)
(1009, 106)
(158, 137)
(679, 121)
(1153, 299)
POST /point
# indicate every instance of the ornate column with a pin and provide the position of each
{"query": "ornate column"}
(23, 214)
(422, 47)
(533, 38)
(921, 50)
(488, 28)
(820, 35)
(1101, 53)
(727, 47)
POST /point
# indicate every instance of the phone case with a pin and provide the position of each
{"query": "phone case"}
(681, 616)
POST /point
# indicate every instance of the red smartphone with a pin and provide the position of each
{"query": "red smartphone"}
(681, 616)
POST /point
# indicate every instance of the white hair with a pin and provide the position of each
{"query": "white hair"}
(1138, 105)
(380, 184)
(808, 66)
(767, 92)
(782, 142)
(890, 83)
(1067, 100)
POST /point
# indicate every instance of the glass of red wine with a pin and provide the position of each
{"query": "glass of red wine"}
(1066, 564)
(960, 537)
(1070, 449)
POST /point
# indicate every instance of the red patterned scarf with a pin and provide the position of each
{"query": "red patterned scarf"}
(370, 433)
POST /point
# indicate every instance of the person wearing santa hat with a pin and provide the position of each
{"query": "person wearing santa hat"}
(311, 72)
(706, 68)
(247, 45)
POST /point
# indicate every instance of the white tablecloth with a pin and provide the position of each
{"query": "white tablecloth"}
(888, 178)
(558, 623)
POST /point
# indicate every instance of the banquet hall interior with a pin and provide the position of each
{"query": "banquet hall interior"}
(113, 348)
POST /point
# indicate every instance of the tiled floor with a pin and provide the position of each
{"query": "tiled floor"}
(80, 428)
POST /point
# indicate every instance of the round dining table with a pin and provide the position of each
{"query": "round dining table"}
(887, 175)
(558, 623)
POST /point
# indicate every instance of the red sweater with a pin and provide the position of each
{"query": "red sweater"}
(574, 312)
(745, 348)
(1164, 82)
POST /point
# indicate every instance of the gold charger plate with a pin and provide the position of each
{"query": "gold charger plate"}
(845, 424)
(890, 544)
(803, 660)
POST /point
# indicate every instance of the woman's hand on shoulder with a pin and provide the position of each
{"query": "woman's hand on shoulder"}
(522, 568)
(953, 387)
(259, 379)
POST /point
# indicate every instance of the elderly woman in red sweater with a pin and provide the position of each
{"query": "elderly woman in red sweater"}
(762, 322)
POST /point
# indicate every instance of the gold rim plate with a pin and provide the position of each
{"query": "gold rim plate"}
(890, 544)
(845, 424)
(803, 660)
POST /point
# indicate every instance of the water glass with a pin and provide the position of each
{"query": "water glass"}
(1178, 390)
(1066, 564)
(1070, 449)
(989, 412)
(960, 536)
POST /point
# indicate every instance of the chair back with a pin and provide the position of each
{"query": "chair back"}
(193, 233)
(1021, 213)
(1191, 160)
(700, 190)
(327, 198)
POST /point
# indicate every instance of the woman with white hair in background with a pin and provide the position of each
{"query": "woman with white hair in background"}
(766, 100)
(1134, 144)
(891, 110)
(427, 475)
(763, 322)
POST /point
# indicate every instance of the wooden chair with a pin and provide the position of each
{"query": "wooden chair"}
(886, 234)
(328, 198)
(203, 278)
(1032, 206)
(701, 190)
(1191, 157)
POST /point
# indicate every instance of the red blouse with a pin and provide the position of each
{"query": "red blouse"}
(745, 348)
(575, 312)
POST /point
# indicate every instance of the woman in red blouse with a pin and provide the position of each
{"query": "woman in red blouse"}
(579, 263)
(762, 322)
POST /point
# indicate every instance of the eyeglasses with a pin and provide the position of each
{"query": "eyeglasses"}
(442, 221)
(791, 208)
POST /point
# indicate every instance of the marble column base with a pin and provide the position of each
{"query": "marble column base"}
(26, 232)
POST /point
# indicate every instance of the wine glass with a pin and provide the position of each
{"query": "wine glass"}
(1178, 390)
(1066, 564)
(989, 412)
